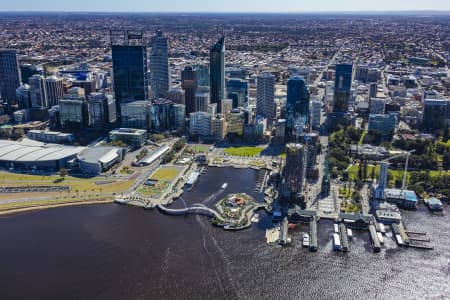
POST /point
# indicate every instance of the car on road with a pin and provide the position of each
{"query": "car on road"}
(305, 240)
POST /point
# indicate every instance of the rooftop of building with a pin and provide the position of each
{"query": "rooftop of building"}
(33, 151)
(103, 154)
(128, 131)
(401, 194)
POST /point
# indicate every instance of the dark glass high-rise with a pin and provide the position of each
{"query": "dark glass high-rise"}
(130, 71)
(217, 73)
(297, 105)
(342, 87)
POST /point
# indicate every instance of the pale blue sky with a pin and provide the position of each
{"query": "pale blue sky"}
(222, 5)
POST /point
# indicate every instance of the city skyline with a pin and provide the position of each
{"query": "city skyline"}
(290, 6)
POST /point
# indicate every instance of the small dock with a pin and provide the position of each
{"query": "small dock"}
(420, 246)
(344, 237)
(376, 245)
(409, 238)
(416, 232)
(313, 245)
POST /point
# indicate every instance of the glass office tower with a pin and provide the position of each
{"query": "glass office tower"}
(159, 65)
(129, 58)
(9, 75)
(217, 73)
(342, 87)
(297, 105)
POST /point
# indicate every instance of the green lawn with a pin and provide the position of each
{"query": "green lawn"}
(396, 174)
(158, 189)
(165, 174)
(76, 184)
(198, 148)
(244, 151)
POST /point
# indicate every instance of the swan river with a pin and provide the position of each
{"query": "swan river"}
(122, 252)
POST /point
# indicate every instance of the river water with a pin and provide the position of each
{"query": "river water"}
(119, 252)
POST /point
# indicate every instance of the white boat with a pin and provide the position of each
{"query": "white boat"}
(380, 238)
(382, 228)
(224, 186)
(336, 242)
(305, 240)
(336, 228)
(349, 233)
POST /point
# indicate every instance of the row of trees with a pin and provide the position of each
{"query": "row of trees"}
(169, 156)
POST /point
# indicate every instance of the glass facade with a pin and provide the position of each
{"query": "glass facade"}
(217, 72)
(342, 87)
(129, 59)
(237, 90)
(9, 75)
(159, 65)
(297, 105)
(189, 84)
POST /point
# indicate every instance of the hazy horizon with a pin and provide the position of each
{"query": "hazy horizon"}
(231, 6)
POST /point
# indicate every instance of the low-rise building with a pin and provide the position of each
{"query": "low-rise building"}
(130, 136)
(50, 136)
(369, 152)
(402, 198)
(95, 160)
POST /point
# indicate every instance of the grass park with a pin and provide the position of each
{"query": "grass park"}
(245, 151)
(165, 174)
(77, 185)
(82, 190)
(396, 175)
(198, 148)
(162, 179)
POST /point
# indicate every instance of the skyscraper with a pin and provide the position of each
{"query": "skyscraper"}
(217, 72)
(293, 172)
(54, 90)
(202, 74)
(24, 96)
(129, 59)
(189, 84)
(202, 99)
(297, 106)
(159, 65)
(38, 93)
(9, 75)
(237, 90)
(342, 87)
(28, 70)
(265, 97)
(177, 95)
(316, 112)
(102, 110)
(74, 110)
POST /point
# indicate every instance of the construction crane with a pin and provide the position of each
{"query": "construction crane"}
(382, 179)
